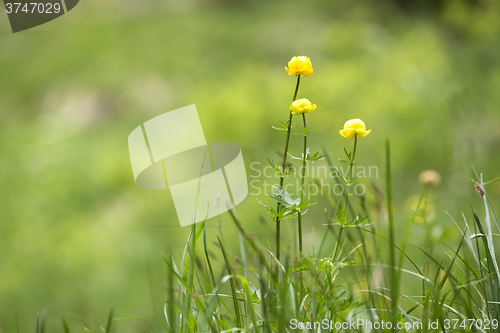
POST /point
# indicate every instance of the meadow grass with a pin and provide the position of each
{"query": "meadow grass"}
(459, 291)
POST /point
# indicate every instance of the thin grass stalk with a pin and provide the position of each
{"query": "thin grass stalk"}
(361, 235)
(151, 291)
(207, 258)
(392, 256)
(494, 271)
(408, 229)
(337, 245)
(350, 174)
(110, 321)
(282, 176)
(206, 254)
(17, 323)
(233, 287)
(337, 180)
(302, 181)
(314, 284)
(263, 298)
(302, 192)
(64, 324)
(186, 310)
(490, 273)
(170, 303)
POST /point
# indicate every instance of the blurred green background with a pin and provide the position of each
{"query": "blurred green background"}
(77, 234)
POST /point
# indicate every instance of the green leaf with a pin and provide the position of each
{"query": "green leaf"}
(289, 207)
(273, 211)
(294, 157)
(314, 157)
(356, 181)
(341, 214)
(305, 131)
(282, 197)
(347, 154)
(342, 178)
(279, 169)
(358, 222)
(284, 124)
(274, 166)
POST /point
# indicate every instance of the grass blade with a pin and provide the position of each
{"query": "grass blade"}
(233, 288)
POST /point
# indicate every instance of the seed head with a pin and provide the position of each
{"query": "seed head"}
(479, 189)
(476, 236)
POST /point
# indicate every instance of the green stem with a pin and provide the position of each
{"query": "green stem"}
(393, 277)
(338, 243)
(302, 181)
(349, 176)
(282, 176)
(302, 192)
(300, 232)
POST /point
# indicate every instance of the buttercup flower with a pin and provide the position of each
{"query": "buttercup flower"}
(300, 65)
(301, 106)
(354, 127)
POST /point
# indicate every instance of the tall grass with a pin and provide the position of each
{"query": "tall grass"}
(459, 286)
(253, 291)
(322, 291)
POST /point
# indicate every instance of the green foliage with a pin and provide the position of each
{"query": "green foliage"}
(451, 294)
(317, 156)
(279, 169)
(289, 207)
(341, 218)
(283, 124)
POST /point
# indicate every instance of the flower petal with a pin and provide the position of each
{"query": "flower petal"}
(310, 108)
(355, 124)
(307, 72)
(361, 133)
(347, 133)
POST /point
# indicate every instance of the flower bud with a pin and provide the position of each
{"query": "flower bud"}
(354, 127)
(430, 177)
(300, 65)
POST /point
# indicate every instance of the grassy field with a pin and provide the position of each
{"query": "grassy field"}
(79, 238)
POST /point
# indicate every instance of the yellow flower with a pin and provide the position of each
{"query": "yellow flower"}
(354, 127)
(300, 65)
(301, 106)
